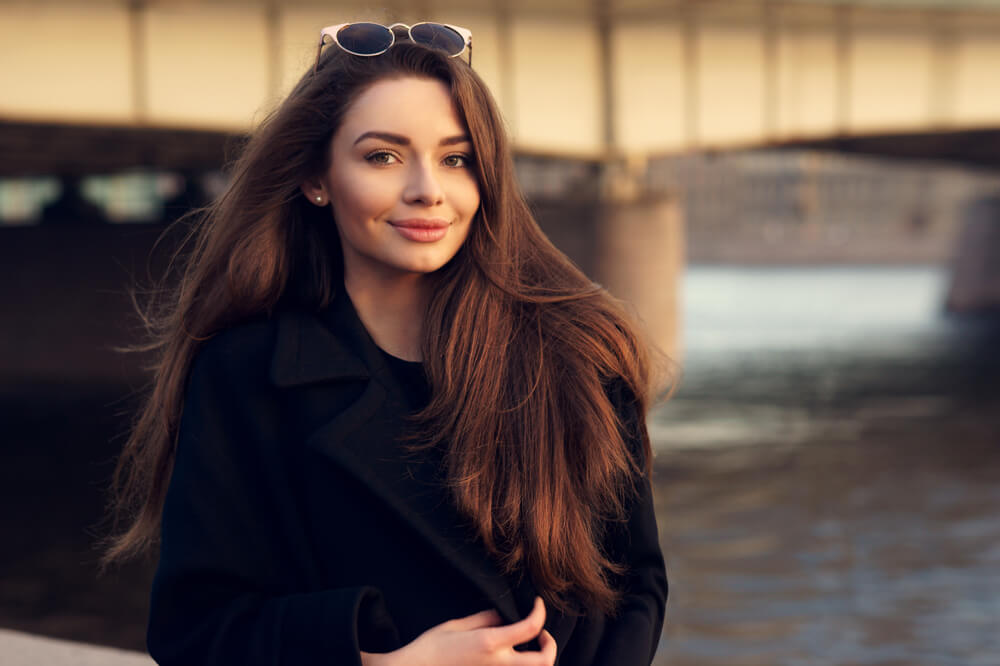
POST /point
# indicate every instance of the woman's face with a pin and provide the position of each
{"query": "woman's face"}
(401, 183)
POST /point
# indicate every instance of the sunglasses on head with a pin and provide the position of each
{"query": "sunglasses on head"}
(372, 39)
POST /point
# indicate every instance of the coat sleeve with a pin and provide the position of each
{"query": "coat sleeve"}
(228, 588)
(631, 638)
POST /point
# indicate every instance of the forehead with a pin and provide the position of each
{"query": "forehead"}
(410, 106)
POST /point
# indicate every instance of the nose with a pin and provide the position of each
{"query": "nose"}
(422, 185)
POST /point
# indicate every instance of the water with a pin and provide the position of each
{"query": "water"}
(826, 480)
(827, 473)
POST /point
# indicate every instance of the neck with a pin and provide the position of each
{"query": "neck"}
(393, 310)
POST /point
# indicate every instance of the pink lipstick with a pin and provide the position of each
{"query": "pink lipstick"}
(421, 230)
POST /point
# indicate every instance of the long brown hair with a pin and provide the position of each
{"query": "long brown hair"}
(521, 349)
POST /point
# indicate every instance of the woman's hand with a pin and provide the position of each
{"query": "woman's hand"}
(475, 640)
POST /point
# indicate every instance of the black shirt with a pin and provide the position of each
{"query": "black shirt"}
(411, 377)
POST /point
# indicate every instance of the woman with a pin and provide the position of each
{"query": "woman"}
(391, 423)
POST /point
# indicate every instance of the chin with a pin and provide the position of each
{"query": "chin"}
(427, 268)
(425, 264)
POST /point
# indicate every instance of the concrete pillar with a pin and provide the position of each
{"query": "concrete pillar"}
(975, 273)
(640, 258)
(634, 245)
(622, 232)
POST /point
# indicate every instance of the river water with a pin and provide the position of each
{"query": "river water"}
(827, 472)
(826, 480)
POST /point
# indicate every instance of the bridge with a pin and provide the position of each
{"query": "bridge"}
(641, 77)
(594, 94)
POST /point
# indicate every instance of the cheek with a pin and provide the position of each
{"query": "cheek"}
(466, 198)
(358, 198)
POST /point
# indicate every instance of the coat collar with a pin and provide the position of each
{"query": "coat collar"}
(308, 348)
(333, 345)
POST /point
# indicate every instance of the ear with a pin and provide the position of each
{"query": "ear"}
(315, 191)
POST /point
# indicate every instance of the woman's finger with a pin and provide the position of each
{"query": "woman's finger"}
(523, 630)
(486, 618)
(545, 657)
(548, 645)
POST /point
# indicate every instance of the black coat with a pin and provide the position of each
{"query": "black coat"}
(295, 531)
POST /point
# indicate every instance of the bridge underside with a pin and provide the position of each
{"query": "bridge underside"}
(44, 149)
(973, 147)
(41, 149)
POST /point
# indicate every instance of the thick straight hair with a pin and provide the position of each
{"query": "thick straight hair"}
(524, 354)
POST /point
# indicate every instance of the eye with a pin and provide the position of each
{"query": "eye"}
(381, 157)
(458, 161)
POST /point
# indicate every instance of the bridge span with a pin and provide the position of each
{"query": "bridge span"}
(607, 88)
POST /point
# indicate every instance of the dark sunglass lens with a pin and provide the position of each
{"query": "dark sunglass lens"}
(365, 38)
(438, 36)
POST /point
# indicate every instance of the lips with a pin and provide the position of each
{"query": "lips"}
(421, 230)
(420, 223)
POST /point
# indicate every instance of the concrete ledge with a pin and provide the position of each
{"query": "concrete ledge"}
(20, 649)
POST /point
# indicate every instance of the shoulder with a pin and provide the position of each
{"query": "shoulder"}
(227, 383)
(287, 348)
(238, 353)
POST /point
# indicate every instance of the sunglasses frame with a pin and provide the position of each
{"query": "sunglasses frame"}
(332, 30)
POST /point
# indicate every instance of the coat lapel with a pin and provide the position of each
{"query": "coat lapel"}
(334, 345)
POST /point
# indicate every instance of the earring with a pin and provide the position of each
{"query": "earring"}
(319, 199)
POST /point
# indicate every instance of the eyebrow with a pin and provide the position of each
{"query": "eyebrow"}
(401, 140)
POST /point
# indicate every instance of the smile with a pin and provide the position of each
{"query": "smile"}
(421, 230)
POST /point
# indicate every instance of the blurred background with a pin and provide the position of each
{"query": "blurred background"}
(800, 198)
